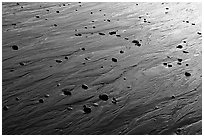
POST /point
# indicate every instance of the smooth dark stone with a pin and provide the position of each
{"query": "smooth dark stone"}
(112, 32)
(41, 100)
(57, 11)
(185, 51)
(84, 86)
(79, 34)
(104, 97)
(101, 33)
(114, 60)
(179, 47)
(121, 51)
(67, 92)
(180, 60)
(15, 47)
(83, 49)
(187, 74)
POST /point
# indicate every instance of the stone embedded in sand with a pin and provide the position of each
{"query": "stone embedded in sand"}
(84, 86)
(17, 98)
(187, 21)
(104, 97)
(17, 3)
(55, 25)
(66, 57)
(193, 24)
(15, 47)
(167, 8)
(63, 4)
(86, 109)
(169, 65)
(66, 91)
(83, 49)
(95, 104)
(37, 16)
(184, 41)
(186, 64)
(94, 27)
(117, 35)
(185, 51)
(58, 61)
(199, 33)
(41, 100)
(112, 32)
(114, 60)
(46, 95)
(86, 27)
(179, 47)
(180, 60)
(79, 34)
(22, 63)
(91, 12)
(58, 84)
(121, 51)
(57, 11)
(173, 96)
(179, 63)
(187, 74)
(5, 108)
(14, 24)
(126, 38)
(137, 43)
(69, 108)
(101, 33)
(108, 20)
(165, 64)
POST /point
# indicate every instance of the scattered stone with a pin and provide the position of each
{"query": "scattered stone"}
(84, 86)
(180, 60)
(101, 33)
(101, 66)
(15, 47)
(5, 108)
(37, 16)
(169, 65)
(187, 21)
(66, 92)
(94, 27)
(108, 20)
(185, 51)
(76, 10)
(69, 108)
(165, 64)
(58, 61)
(57, 11)
(186, 64)
(193, 24)
(166, 12)
(86, 109)
(117, 35)
(126, 38)
(179, 47)
(95, 104)
(79, 34)
(112, 32)
(85, 27)
(47, 10)
(46, 95)
(92, 21)
(41, 100)
(121, 51)
(91, 12)
(114, 60)
(83, 49)
(17, 3)
(22, 63)
(179, 63)
(55, 25)
(14, 24)
(63, 4)
(124, 78)
(137, 43)
(104, 97)
(199, 33)
(187, 74)
(184, 41)
(173, 96)
(58, 84)
(17, 98)
(66, 57)
(167, 8)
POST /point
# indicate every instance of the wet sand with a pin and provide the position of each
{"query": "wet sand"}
(101, 68)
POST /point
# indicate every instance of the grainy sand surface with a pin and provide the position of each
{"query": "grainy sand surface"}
(101, 68)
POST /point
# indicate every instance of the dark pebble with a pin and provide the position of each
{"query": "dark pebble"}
(84, 86)
(94, 27)
(17, 3)
(173, 96)
(165, 64)
(57, 11)
(186, 64)
(126, 38)
(63, 4)
(185, 51)
(79, 34)
(121, 51)
(58, 61)
(91, 12)
(187, 74)
(41, 100)
(66, 91)
(14, 24)
(85, 27)
(114, 60)
(15, 47)
(66, 57)
(169, 65)
(184, 41)
(17, 98)
(101, 33)
(117, 35)
(46, 95)
(108, 20)
(180, 60)
(47, 10)
(179, 63)
(83, 49)
(22, 64)
(104, 97)
(187, 21)
(112, 32)
(199, 33)
(86, 109)
(5, 108)
(193, 24)
(37, 16)
(167, 8)
(179, 47)
(55, 25)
